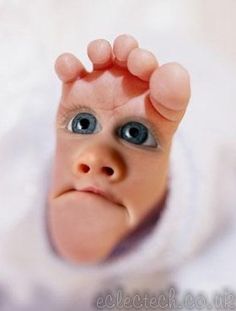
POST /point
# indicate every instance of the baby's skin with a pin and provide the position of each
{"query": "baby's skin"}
(114, 131)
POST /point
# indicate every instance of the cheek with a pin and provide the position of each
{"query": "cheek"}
(146, 185)
(62, 166)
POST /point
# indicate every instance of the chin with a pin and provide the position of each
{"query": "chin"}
(83, 255)
(85, 228)
(84, 249)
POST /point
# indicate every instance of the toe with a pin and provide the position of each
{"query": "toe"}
(100, 53)
(69, 68)
(122, 47)
(170, 91)
(141, 63)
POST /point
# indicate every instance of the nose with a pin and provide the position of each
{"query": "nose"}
(100, 161)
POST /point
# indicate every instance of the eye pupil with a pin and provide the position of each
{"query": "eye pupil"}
(133, 132)
(84, 123)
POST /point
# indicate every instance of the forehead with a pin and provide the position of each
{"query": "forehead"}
(106, 90)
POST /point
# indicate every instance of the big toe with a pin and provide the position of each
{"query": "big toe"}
(170, 91)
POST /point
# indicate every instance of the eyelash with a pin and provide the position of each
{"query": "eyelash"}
(70, 112)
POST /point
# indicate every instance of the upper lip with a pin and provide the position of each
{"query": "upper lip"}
(100, 192)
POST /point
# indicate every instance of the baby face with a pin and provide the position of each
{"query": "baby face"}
(110, 165)
(114, 130)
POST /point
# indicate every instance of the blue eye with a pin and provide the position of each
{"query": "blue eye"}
(83, 123)
(137, 133)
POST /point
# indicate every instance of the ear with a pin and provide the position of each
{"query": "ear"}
(69, 68)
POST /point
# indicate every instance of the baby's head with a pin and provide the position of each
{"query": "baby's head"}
(111, 159)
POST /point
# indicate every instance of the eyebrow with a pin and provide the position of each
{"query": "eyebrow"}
(74, 107)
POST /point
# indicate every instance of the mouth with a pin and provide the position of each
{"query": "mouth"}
(94, 191)
(99, 192)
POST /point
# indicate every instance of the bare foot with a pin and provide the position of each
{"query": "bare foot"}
(114, 131)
